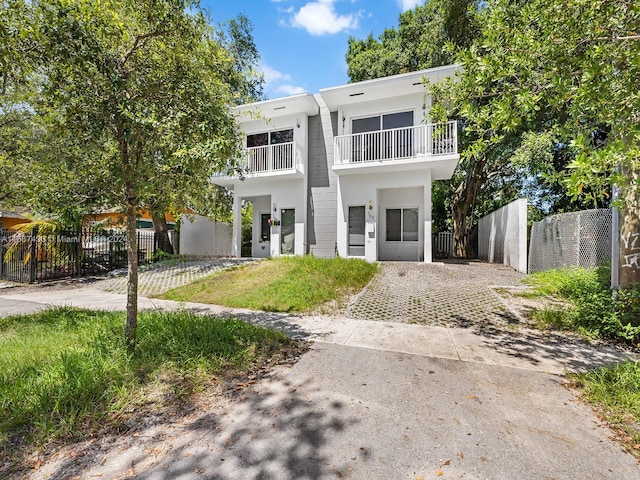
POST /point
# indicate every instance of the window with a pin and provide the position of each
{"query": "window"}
(265, 228)
(356, 231)
(270, 138)
(271, 150)
(374, 145)
(402, 224)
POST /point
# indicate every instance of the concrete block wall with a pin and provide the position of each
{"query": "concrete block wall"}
(322, 184)
(502, 236)
(202, 236)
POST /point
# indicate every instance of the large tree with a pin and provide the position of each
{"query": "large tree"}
(418, 42)
(135, 90)
(245, 84)
(15, 117)
(563, 69)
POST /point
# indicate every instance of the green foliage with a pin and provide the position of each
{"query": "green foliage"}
(64, 370)
(419, 41)
(593, 308)
(284, 284)
(616, 393)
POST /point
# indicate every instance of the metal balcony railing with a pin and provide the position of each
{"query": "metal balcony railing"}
(271, 158)
(398, 143)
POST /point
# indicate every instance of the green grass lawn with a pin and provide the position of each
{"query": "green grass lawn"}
(66, 371)
(615, 392)
(284, 284)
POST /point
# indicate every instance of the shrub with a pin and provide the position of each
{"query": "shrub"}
(596, 311)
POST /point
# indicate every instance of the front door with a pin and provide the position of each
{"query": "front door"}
(287, 231)
(356, 231)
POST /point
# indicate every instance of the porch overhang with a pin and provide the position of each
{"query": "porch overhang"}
(442, 167)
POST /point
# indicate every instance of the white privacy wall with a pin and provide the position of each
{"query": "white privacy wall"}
(502, 236)
(201, 236)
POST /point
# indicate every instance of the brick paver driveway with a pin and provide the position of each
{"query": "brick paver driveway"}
(451, 294)
(157, 278)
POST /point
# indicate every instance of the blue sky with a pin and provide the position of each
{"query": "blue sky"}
(302, 43)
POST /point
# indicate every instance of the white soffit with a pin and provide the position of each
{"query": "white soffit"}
(384, 88)
(278, 107)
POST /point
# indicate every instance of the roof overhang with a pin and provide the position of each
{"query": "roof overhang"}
(278, 107)
(385, 88)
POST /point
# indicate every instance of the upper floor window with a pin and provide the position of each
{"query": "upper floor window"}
(382, 137)
(270, 138)
(382, 122)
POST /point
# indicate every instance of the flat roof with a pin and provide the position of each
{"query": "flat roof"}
(278, 107)
(385, 87)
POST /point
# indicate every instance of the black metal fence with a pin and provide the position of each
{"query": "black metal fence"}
(28, 258)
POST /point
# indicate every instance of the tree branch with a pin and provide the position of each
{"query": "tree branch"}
(141, 41)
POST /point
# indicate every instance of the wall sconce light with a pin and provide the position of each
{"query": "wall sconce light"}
(343, 119)
(297, 123)
(370, 205)
(424, 106)
(275, 207)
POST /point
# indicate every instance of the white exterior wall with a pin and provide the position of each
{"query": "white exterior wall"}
(260, 249)
(395, 190)
(502, 236)
(267, 194)
(202, 236)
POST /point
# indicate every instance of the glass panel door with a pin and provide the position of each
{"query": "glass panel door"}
(399, 144)
(287, 231)
(356, 231)
(364, 144)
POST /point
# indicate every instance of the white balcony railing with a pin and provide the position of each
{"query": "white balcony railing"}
(271, 158)
(398, 143)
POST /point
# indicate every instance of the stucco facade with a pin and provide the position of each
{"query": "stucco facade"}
(347, 171)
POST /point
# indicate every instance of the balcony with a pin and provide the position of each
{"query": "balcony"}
(278, 160)
(402, 148)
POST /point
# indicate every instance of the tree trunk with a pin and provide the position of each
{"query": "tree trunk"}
(630, 231)
(460, 212)
(163, 242)
(462, 200)
(132, 271)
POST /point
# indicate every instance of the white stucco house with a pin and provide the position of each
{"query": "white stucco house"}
(347, 171)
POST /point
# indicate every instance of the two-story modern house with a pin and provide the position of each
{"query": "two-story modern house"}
(347, 171)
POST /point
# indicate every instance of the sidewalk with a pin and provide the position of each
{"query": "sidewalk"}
(522, 349)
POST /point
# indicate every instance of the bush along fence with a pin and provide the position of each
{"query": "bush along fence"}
(29, 258)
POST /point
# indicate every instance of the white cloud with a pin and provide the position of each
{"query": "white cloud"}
(321, 18)
(271, 75)
(408, 4)
(278, 82)
(290, 90)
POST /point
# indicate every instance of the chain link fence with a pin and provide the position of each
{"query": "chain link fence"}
(571, 239)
